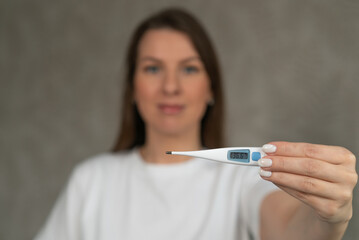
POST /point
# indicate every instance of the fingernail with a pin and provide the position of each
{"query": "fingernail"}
(265, 162)
(264, 173)
(269, 148)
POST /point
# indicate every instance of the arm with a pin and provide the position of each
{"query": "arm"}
(318, 184)
(284, 217)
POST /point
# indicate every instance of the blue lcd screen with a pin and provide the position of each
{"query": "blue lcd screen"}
(240, 155)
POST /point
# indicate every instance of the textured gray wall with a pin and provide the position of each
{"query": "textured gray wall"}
(291, 73)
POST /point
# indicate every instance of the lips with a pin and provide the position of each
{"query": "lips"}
(171, 109)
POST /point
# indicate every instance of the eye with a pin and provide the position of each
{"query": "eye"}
(152, 69)
(190, 69)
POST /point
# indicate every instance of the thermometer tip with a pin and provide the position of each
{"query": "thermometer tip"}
(168, 152)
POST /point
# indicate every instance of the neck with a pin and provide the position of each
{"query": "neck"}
(154, 150)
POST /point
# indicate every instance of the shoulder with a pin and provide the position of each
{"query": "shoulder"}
(105, 160)
(102, 166)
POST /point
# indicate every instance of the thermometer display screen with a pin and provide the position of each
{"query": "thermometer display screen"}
(239, 155)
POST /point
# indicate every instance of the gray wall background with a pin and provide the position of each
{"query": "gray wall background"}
(290, 68)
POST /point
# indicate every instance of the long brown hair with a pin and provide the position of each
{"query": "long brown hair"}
(132, 132)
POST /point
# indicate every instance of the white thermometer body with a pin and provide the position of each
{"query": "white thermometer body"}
(233, 155)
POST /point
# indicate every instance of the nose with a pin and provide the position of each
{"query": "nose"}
(171, 83)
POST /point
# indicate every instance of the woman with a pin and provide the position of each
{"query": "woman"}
(173, 101)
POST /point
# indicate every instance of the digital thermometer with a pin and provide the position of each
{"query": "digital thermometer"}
(234, 155)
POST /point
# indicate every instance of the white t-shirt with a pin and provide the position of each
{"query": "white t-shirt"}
(119, 196)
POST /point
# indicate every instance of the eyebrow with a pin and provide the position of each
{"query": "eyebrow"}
(147, 58)
(190, 59)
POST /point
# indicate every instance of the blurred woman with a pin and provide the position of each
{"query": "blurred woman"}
(173, 101)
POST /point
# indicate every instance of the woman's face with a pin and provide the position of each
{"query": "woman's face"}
(171, 86)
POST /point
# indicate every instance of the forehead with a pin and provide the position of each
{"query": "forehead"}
(166, 44)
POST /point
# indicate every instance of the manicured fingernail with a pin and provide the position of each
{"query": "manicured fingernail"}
(265, 162)
(264, 173)
(269, 148)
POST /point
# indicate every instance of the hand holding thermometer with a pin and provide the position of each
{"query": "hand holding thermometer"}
(235, 155)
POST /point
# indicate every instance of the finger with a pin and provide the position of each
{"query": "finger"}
(306, 184)
(306, 167)
(332, 154)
